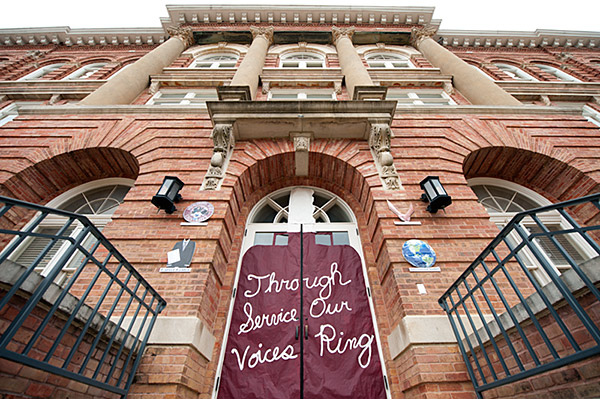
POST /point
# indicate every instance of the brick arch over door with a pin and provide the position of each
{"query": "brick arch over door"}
(46, 179)
(553, 178)
(343, 167)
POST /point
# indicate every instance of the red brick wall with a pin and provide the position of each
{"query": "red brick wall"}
(20, 381)
(451, 146)
(26, 59)
(574, 61)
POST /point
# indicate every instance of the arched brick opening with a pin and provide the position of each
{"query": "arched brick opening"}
(254, 180)
(42, 181)
(554, 179)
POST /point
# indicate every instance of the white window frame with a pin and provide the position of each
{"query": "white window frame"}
(500, 219)
(514, 73)
(215, 64)
(58, 221)
(414, 97)
(287, 60)
(86, 71)
(565, 77)
(43, 71)
(301, 94)
(11, 111)
(189, 97)
(389, 61)
(591, 115)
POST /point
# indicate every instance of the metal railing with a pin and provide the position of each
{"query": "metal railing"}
(90, 324)
(513, 312)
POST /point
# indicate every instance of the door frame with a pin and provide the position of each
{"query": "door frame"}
(248, 241)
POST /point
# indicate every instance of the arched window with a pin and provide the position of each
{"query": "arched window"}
(97, 200)
(41, 72)
(327, 208)
(514, 73)
(215, 61)
(557, 72)
(302, 60)
(503, 200)
(388, 60)
(85, 71)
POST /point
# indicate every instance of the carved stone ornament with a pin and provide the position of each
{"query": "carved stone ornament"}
(301, 143)
(265, 31)
(339, 32)
(266, 86)
(379, 142)
(182, 32)
(223, 142)
(417, 35)
(154, 87)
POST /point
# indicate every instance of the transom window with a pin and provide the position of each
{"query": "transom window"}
(302, 60)
(183, 97)
(215, 61)
(514, 73)
(315, 94)
(419, 97)
(388, 61)
(557, 73)
(503, 200)
(41, 72)
(327, 208)
(86, 71)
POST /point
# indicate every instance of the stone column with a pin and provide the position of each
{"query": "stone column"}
(358, 82)
(129, 83)
(245, 81)
(476, 88)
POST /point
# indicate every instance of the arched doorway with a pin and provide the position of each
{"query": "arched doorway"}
(317, 339)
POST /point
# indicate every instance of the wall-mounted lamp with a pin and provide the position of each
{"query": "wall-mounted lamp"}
(435, 194)
(168, 194)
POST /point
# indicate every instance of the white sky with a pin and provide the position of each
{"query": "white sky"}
(524, 15)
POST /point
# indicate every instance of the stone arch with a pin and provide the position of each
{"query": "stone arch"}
(50, 177)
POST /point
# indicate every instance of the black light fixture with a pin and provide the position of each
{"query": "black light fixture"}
(435, 194)
(168, 194)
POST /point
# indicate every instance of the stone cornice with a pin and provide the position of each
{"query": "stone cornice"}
(255, 14)
(63, 35)
(298, 105)
(539, 38)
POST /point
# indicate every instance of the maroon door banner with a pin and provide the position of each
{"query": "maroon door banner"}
(263, 356)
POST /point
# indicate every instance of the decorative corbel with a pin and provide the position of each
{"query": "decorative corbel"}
(337, 87)
(266, 86)
(223, 141)
(448, 88)
(154, 87)
(380, 144)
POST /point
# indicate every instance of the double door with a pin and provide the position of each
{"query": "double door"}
(301, 322)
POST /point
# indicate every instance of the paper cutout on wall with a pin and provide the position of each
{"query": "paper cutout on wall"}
(180, 257)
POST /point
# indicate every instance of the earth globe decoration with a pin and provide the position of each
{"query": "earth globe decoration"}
(418, 253)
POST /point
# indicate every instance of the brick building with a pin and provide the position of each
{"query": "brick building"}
(282, 117)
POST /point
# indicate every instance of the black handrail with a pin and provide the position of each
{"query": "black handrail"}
(108, 323)
(490, 301)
